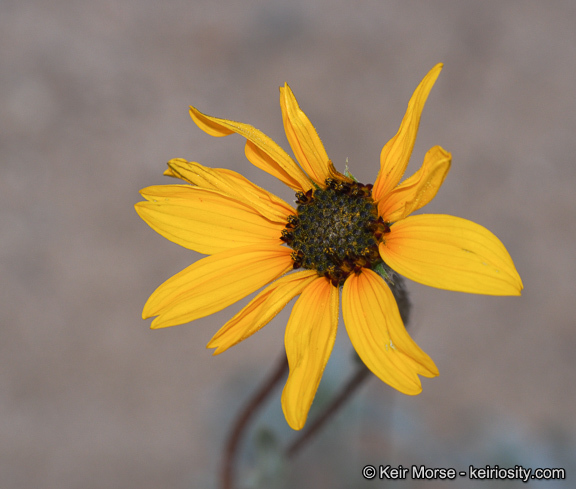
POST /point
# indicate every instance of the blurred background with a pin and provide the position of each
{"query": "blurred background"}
(94, 99)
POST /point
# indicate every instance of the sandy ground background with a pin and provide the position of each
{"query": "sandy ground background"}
(94, 97)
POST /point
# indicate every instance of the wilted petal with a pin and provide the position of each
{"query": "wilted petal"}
(304, 139)
(418, 190)
(261, 310)
(396, 153)
(260, 149)
(232, 184)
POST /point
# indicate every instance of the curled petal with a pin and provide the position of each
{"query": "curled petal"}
(260, 150)
(396, 153)
(261, 310)
(205, 220)
(309, 339)
(450, 253)
(215, 282)
(376, 330)
(233, 184)
(304, 139)
(418, 190)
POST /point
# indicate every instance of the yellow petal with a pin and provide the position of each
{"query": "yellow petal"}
(169, 173)
(375, 329)
(279, 206)
(415, 192)
(260, 150)
(261, 310)
(450, 253)
(233, 184)
(309, 340)
(215, 282)
(204, 220)
(396, 153)
(304, 139)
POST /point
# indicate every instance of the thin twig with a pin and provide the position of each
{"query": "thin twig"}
(361, 374)
(243, 419)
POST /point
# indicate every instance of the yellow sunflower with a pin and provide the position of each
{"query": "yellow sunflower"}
(341, 234)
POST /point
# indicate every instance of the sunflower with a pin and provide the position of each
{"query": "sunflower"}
(341, 234)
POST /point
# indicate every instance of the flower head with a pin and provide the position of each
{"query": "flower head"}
(341, 235)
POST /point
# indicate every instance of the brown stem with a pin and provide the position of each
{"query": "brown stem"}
(243, 419)
(362, 373)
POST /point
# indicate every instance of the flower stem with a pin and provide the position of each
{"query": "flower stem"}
(244, 418)
(362, 373)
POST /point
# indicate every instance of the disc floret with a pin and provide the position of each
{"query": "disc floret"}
(336, 230)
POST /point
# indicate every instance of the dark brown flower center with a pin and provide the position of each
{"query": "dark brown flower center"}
(336, 231)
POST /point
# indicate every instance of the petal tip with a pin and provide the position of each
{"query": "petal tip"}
(210, 125)
(295, 427)
(295, 422)
(212, 345)
(414, 392)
